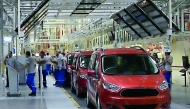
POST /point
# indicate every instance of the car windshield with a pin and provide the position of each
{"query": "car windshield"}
(129, 64)
(84, 61)
(70, 59)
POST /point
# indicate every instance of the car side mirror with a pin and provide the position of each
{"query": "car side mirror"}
(73, 67)
(91, 72)
(163, 71)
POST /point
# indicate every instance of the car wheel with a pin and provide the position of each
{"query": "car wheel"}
(88, 102)
(98, 103)
(77, 90)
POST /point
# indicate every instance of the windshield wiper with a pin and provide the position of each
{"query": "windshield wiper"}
(110, 73)
(138, 74)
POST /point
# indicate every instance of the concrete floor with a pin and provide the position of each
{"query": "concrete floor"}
(58, 98)
(53, 98)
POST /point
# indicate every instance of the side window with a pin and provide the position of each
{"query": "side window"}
(92, 62)
(74, 60)
(76, 64)
(97, 66)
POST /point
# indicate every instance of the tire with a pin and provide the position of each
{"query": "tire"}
(88, 102)
(98, 103)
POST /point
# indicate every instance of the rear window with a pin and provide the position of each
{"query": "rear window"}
(70, 59)
(129, 64)
(84, 61)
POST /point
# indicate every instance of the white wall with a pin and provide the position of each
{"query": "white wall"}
(178, 51)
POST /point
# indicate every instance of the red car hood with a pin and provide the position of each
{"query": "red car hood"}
(126, 81)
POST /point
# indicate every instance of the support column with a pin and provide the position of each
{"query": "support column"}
(27, 44)
(1, 35)
(170, 15)
(178, 18)
(35, 45)
(182, 21)
(119, 36)
(115, 33)
(14, 27)
(169, 32)
(18, 27)
(101, 36)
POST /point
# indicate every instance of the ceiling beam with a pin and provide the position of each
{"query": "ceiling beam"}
(69, 17)
(61, 23)
(60, 9)
(102, 5)
(30, 0)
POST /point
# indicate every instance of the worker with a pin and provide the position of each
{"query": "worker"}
(48, 63)
(30, 62)
(56, 68)
(41, 60)
(63, 69)
(168, 67)
(10, 60)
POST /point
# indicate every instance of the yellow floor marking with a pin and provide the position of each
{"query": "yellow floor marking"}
(70, 97)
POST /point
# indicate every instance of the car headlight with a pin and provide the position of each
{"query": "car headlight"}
(163, 85)
(84, 76)
(69, 70)
(111, 87)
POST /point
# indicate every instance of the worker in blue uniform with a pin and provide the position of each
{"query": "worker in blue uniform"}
(63, 69)
(41, 60)
(48, 64)
(56, 68)
(168, 67)
(30, 62)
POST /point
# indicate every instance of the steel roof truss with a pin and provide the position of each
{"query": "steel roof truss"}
(132, 17)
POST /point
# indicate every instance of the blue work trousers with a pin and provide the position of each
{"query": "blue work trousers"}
(44, 77)
(48, 68)
(61, 77)
(30, 82)
(168, 78)
(56, 74)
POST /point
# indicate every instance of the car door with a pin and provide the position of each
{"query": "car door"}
(74, 71)
(90, 78)
(95, 79)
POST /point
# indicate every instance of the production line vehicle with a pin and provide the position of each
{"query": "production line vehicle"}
(69, 57)
(79, 72)
(126, 78)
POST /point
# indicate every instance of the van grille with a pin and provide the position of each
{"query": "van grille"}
(139, 92)
(148, 106)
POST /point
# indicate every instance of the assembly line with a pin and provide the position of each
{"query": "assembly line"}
(94, 54)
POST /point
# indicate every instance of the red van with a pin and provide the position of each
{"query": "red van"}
(69, 57)
(79, 72)
(126, 78)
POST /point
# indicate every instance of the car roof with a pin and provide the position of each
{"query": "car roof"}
(122, 51)
(71, 53)
(85, 52)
